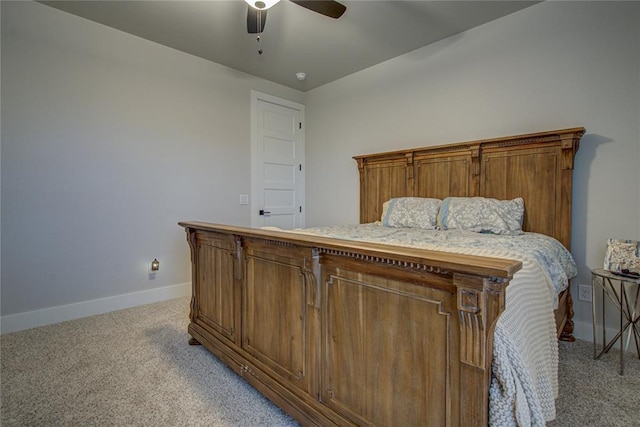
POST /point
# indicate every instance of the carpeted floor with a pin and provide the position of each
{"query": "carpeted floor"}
(592, 394)
(134, 368)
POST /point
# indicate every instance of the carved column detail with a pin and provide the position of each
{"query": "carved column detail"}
(569, 143)
(472, 326)
(311, 273)
(475, 159)
(191, 239)
(480, 302)
(410, 181)
(361, 169)
(237, 261)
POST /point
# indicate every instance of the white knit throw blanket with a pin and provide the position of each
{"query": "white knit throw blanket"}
(525, 353)
(524, 382)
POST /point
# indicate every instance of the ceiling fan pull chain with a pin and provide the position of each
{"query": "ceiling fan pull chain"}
(259, 31)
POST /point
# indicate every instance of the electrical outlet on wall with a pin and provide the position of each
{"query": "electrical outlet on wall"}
(584, 293)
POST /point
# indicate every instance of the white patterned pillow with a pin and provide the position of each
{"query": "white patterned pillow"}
(482, 215)
(623, 255)
(415, 212)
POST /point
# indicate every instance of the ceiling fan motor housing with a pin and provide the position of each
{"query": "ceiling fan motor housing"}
(261, 4)
(257, 11)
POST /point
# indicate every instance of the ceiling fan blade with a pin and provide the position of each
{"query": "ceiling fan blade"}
(255, 25)
(329, 8)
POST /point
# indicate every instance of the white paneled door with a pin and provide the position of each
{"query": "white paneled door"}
(277, 162)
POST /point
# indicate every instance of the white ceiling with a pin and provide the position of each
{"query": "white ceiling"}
(295, 39)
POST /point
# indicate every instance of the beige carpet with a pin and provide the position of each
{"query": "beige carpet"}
(134, 368)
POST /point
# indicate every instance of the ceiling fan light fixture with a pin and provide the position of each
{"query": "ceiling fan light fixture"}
(261, 4)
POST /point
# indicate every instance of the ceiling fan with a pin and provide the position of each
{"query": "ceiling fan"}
(257, 11)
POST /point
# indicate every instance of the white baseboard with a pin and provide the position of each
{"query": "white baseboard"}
(48, 316)
(584, 331)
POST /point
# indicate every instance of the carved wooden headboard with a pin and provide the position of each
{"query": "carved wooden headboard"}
(537, 167)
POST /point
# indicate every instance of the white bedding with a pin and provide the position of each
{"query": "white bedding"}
(525, 351)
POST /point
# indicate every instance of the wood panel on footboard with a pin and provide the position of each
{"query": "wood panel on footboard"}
(348, 333)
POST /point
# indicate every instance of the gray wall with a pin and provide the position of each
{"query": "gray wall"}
(108, 141)
(554, 65)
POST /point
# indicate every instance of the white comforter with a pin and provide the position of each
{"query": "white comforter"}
(525, 352)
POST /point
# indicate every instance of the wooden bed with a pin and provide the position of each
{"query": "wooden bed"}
(338, 332)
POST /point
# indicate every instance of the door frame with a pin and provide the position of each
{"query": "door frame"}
(257, 96)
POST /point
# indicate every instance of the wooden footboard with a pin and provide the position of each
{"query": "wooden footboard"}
(346, 333)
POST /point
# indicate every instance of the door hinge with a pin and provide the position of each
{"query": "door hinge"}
(300, 167)
(300, 209)
(299, 125)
